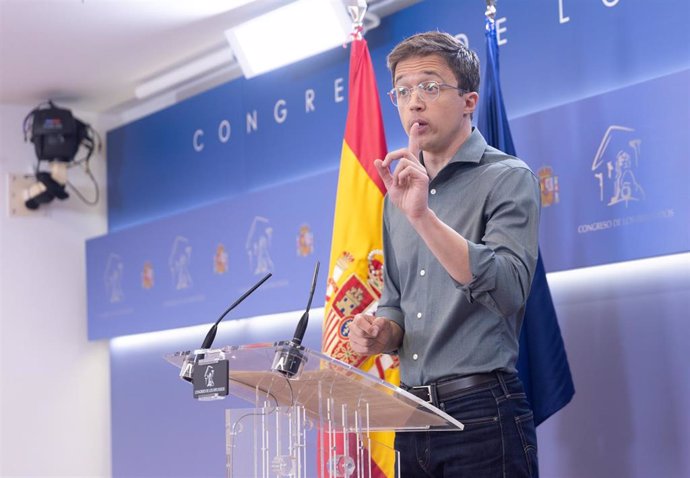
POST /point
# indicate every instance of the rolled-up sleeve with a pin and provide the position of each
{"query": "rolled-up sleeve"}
(503, 263)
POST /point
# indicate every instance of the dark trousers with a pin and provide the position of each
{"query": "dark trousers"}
(499, 439)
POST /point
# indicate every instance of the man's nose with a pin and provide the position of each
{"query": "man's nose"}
(416, 101)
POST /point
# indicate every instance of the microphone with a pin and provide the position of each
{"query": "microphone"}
(302, 324)
(187, 366)
(289, 357)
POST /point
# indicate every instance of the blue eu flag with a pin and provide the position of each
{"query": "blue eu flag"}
(542, 363)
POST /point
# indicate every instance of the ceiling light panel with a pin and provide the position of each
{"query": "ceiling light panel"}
(289, 34)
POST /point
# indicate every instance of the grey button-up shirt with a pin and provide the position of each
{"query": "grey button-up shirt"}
(492, 200)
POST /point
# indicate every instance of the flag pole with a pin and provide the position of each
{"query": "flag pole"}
(542, 361)
(356, 262)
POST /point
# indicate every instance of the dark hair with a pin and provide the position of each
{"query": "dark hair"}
(463, 61)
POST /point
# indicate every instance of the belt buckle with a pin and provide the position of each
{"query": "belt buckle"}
(430, 391)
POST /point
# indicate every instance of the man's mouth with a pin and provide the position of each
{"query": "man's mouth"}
(423, 126)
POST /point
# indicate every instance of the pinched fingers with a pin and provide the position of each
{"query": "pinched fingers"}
(407, 171)
(365, 335)
(400, 154)
(362, 325)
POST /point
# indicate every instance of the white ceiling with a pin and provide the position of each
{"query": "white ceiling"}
(91, 54)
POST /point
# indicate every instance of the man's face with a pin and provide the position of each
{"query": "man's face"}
(445, 121)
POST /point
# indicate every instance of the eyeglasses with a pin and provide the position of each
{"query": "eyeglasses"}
(426, 90)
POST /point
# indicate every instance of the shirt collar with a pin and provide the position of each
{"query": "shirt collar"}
(471, 151)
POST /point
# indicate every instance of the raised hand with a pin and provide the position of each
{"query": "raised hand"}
(408, 184)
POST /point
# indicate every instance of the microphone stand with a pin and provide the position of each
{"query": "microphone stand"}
(188, 366)
(289, 357)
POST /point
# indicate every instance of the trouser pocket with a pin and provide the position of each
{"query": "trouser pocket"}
(528, 438)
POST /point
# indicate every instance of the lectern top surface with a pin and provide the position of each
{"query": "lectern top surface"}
(330, 390)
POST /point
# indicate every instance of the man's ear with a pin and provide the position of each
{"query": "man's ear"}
(471, 101)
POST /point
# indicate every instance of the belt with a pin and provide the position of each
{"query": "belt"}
(442, 390)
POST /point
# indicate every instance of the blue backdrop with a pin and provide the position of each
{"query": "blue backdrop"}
(598, 129)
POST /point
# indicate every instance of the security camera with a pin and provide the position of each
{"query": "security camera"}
(57, 137)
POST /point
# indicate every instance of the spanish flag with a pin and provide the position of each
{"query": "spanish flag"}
(355, 276)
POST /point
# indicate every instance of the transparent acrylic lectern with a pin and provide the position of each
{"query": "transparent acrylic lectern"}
(325, 400)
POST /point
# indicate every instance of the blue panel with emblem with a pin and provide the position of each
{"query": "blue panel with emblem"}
(618, 189)
(188, 268)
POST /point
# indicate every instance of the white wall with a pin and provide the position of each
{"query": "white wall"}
(54, 384)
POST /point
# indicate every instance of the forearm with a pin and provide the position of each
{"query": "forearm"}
(446, 244)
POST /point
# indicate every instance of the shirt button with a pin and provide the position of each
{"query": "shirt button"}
(415, 356)
(419, 315)
(422, 272)
(433, 192)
